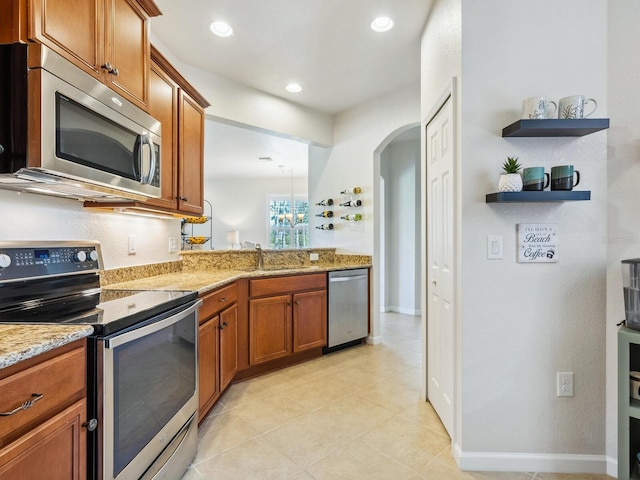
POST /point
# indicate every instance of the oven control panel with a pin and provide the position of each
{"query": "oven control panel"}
(23, 260)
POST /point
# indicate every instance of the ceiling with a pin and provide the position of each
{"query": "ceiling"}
(235, 152)
(327, 46)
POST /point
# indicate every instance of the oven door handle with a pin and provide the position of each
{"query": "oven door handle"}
(120, 339)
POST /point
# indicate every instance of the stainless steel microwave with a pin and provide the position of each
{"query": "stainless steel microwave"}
(63, 132)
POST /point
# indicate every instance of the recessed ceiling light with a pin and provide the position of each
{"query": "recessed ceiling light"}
(221, 29)
(265, 159)
(382, 24)
(294, 88)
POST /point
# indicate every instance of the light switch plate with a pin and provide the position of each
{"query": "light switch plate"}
(494, 247)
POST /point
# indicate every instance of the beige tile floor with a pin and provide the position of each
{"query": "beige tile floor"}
(353, 414)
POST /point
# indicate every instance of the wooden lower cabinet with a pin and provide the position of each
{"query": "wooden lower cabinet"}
(270, 327)
(309, 320)
(228, 346)
(208, 365)
(55, 450)
(217, 346)
(47, 440)
(282, 325)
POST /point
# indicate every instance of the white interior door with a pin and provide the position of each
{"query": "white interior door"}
(440, 255)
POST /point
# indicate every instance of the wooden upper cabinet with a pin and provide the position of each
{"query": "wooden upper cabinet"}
(191, 157)
(163, 106)
(108, 39)
(127, 50)
(72, 28)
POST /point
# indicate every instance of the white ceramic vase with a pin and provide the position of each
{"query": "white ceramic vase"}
(510, 182)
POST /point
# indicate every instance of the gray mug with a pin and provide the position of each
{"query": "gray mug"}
(562, 177)
(534, 179)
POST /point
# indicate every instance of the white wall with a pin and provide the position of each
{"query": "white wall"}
(440, 62)
(235, 103)
(623, 174)
(241, 204)
(38, 217)
(358, 133)
(520, 324)
(400, 167)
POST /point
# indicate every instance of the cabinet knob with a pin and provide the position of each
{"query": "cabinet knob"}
(1, 149)
(297, 302)
(91, 425)
(183, 199)
(107, 66)
(222, 325)
(223, 299)
(288, 304)
(114, 72)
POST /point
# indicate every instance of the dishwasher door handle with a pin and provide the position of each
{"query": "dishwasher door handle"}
(347, 279)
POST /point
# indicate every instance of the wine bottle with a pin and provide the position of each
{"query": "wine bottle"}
(352, 191)
(325, 214)
(351, 203)
(325, 226)
(325, 203)
(354, 217)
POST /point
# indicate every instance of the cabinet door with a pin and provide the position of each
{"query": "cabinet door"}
(228, 346)
(127, 49)
(163, 106)
(72, 28)
(55, 450)
(309, 320)
(269, 328)
(191, 156)
(208, 380)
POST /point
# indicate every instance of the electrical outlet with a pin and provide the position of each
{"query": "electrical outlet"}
(173, 244)
(314, 257)
(564, 384)
(132, 244)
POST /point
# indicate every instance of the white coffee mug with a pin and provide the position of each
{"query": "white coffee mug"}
(573, 107)
(535, 108)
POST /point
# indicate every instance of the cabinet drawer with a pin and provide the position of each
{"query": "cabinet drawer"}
(283, 285)
(61, 381)
(217, 301)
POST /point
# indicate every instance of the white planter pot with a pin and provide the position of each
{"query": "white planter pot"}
(510, 182)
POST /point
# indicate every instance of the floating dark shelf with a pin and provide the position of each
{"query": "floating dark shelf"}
(540, 197)
(554, 127)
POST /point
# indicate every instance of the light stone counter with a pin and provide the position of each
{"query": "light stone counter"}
(204, 281)
(20, 342)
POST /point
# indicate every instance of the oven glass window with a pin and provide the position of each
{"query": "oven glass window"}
(154, 376)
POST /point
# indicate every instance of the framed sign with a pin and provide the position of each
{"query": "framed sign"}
(537, 243)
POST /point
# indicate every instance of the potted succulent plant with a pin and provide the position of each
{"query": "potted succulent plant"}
(510, 180)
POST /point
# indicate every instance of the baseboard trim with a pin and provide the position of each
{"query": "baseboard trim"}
(612, 467)
(405, 311)
(531, 462)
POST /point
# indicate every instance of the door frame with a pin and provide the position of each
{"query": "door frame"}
(450, 92)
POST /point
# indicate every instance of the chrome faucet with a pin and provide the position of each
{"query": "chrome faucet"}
(260, 263)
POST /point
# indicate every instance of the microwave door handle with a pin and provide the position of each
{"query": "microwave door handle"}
(148, 177)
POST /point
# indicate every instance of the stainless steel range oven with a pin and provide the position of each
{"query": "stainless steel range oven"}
(142, 385)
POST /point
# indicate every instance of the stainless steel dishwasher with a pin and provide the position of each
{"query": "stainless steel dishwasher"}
(348, 321)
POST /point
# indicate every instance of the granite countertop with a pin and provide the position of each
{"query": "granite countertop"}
(204, 281)
(20, 342)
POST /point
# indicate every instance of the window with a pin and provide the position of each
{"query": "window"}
(288, 223)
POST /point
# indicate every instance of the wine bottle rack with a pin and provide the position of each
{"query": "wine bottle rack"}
(351, 205)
